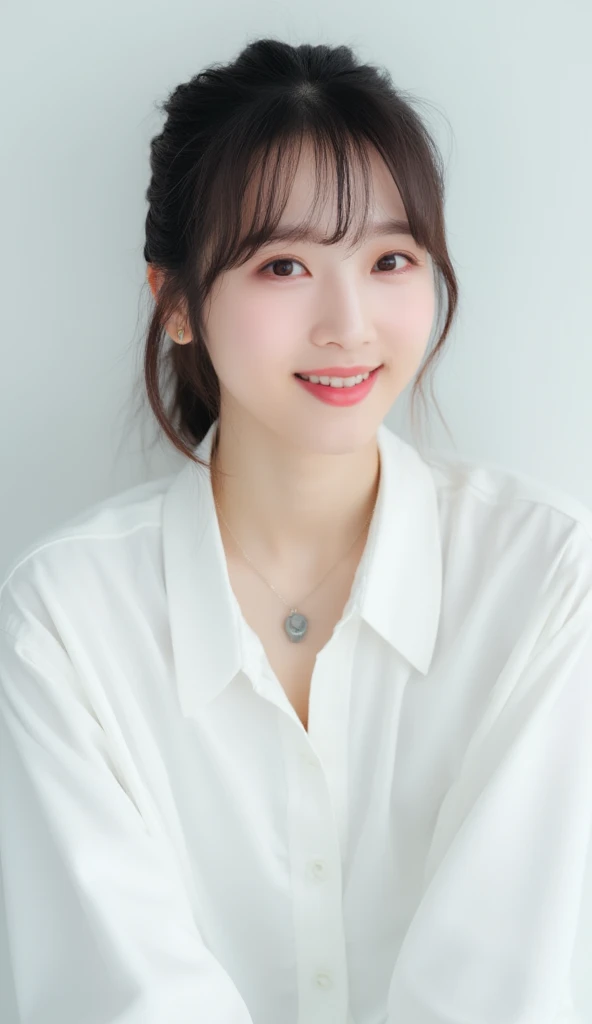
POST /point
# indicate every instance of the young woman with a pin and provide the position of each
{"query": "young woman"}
(301, 733)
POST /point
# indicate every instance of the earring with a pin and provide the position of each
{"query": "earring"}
(180, 334)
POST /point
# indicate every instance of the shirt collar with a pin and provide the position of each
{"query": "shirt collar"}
(400, 578)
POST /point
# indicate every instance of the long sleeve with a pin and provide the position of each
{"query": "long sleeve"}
(493, 937)
(99, 926)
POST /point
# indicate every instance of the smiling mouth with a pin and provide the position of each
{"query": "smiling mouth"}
(346, 382)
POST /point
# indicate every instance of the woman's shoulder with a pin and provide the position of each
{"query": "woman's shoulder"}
(102, 543)
(499, 528)
(508, 491)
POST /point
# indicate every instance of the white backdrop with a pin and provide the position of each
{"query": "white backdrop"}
(506, 87)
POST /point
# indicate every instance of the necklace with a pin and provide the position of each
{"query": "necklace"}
(296, 624)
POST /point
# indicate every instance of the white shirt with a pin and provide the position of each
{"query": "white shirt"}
(176, 847)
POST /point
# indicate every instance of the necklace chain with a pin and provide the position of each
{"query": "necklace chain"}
(287, 604)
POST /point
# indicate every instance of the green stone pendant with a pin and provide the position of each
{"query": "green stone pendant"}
(296, 626)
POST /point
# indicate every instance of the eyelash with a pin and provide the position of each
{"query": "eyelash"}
(290, 259)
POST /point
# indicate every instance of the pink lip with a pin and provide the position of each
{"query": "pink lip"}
(338, 371)
(340, 396)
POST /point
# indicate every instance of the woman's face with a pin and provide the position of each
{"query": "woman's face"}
(297, 307)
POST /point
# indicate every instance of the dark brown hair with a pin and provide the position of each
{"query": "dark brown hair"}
(251, 115)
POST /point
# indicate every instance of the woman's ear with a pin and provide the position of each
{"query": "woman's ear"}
(154, 277)
(176, 323)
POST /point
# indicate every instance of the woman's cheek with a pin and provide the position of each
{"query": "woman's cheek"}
(412, 320)
(268, 333)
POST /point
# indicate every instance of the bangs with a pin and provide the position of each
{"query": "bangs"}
(340, 163)
(248, 199)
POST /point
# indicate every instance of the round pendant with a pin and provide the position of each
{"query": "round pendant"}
(296, 626)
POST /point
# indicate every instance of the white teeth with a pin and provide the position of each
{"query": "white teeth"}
(336, 382)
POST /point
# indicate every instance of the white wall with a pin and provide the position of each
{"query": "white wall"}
(507, 86)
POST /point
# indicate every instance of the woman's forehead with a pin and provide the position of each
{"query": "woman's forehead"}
(310, 196)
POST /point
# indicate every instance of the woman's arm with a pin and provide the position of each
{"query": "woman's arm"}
(493, 937)
(100, 929)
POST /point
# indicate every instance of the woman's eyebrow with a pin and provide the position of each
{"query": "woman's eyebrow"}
(292, 233)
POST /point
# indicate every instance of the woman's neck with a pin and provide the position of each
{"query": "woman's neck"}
(290, 508)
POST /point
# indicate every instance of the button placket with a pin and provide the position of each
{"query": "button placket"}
(329, 719)
(315, 862)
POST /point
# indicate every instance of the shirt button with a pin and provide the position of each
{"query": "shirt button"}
(318, 868)
(323, 980)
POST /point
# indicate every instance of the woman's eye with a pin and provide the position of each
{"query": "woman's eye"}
(284, 263)
(393, 256)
